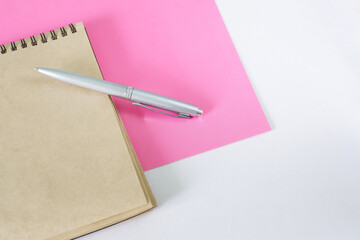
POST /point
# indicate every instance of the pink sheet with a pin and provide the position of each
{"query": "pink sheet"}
(177, 48)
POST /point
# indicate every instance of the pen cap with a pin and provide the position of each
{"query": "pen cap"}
(162, 102)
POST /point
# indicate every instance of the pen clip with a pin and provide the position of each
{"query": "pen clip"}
(181, 115)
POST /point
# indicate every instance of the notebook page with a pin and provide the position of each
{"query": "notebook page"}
(64, 162)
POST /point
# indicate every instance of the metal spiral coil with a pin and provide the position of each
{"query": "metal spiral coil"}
(53, 35)
(33, 40)
(3, 49)
(13, 46)
(73, 29)
(23, 43)
(43, 37)
(63, 32)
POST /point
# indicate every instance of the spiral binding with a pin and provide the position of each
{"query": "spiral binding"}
(53, 35)
(33, 40)
(13, 46)
(23, 43)
(43, 37)
(3, 49)
(63, 32)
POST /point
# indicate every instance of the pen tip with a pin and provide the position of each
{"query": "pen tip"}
(35, 68)
(200, 112)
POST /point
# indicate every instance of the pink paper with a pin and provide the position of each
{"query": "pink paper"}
(177, 48)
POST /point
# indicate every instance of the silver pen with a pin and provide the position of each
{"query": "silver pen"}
(138, 97)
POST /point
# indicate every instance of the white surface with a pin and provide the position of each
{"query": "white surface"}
(299, 181)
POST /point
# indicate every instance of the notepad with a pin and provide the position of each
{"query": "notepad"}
(67, 166)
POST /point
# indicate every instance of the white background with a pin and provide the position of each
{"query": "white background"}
(302, 179)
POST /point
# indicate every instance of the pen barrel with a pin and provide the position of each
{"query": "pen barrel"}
(162, 102)
(125, 92)
(88, 82)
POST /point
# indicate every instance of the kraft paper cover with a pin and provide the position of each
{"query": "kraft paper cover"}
(67, 167)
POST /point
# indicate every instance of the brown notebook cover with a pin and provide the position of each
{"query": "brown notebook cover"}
(67, 167)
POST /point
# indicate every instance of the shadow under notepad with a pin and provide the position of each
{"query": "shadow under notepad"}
(164, 183)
